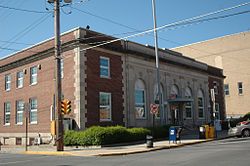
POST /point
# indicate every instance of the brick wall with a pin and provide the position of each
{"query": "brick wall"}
(43, 91)
(95, 84)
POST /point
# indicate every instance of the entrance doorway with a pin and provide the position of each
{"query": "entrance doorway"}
(176, 113)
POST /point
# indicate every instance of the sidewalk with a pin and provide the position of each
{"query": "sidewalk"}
(188, 139)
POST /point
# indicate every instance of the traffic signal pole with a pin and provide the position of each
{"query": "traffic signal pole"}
(58, 86)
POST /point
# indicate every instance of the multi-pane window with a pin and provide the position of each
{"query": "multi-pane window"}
(33, 75)
(140, 104)
(200, 104)
(104, 67)
(217, 111)
(19, 79)
(240, 88)
(19, 111)
(226, 89)
(7, 82)
(200, 107)
(105, 106)
(33, 110)
(7, 113)
(188, 105)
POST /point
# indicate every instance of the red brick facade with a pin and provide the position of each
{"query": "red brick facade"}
(96, 84)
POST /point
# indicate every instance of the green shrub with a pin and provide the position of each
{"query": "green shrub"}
(97, 135)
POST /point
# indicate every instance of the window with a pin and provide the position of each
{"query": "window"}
(7, 82)
(105, 106)
(104, 67)
(226, 89)
(19, 79)
(200, 104)
(7, 113)
(33, 75)
(19, 112)
(217, 111)
(33, 110)
(216, 92)
(188, 105)
(140, 105)
(240, 88)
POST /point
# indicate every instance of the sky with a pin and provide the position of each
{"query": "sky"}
(119, 18)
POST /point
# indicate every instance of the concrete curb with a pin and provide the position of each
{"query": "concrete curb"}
(153, 149)
(120, 153)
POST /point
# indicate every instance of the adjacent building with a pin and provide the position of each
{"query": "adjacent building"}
(112, 84)
(230, 53)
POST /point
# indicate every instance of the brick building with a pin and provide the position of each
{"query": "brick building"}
(113, 84)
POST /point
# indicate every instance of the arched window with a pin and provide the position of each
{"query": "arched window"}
(200, 104)
(140, 104)
(155, 96)
(174, 91)
(188, 105)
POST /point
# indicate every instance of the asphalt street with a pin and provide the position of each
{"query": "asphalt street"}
(228, 152)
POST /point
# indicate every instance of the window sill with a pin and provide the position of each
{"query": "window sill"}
(6, 125)
(19, 124)
(105, 120)
(201, 118)
(33, 123)
(105, 77)
(19, 87)
(33, 84)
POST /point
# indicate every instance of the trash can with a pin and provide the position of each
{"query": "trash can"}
(149, 141)
(211, 132)
(202, 132)
(206, 131)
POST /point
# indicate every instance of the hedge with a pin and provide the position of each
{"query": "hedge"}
(97, 135)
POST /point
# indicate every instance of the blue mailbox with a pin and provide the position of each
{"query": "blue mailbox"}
(172, 134)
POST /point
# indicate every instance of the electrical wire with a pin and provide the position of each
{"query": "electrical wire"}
(182, 22)
(24, 10)
(26, 30)
(5, 41)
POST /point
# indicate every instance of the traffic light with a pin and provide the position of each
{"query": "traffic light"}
(65, 106)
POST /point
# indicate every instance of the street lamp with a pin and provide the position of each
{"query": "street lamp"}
(159, 96)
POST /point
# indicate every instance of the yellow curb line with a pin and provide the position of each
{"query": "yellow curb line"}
(48, 153)
(114, 153)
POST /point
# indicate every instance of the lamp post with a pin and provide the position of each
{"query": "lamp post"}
(159, 97)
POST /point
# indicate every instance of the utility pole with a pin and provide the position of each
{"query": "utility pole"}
(27, 111)
(159, 96)
(58, 86)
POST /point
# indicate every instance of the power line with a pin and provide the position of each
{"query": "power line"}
(172, 28)
(27, 30)
(182, 22)
(5, 41)
(24, 10)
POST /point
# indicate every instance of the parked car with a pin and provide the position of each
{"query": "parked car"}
(242, 129)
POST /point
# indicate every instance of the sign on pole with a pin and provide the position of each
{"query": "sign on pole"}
(154, 108)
